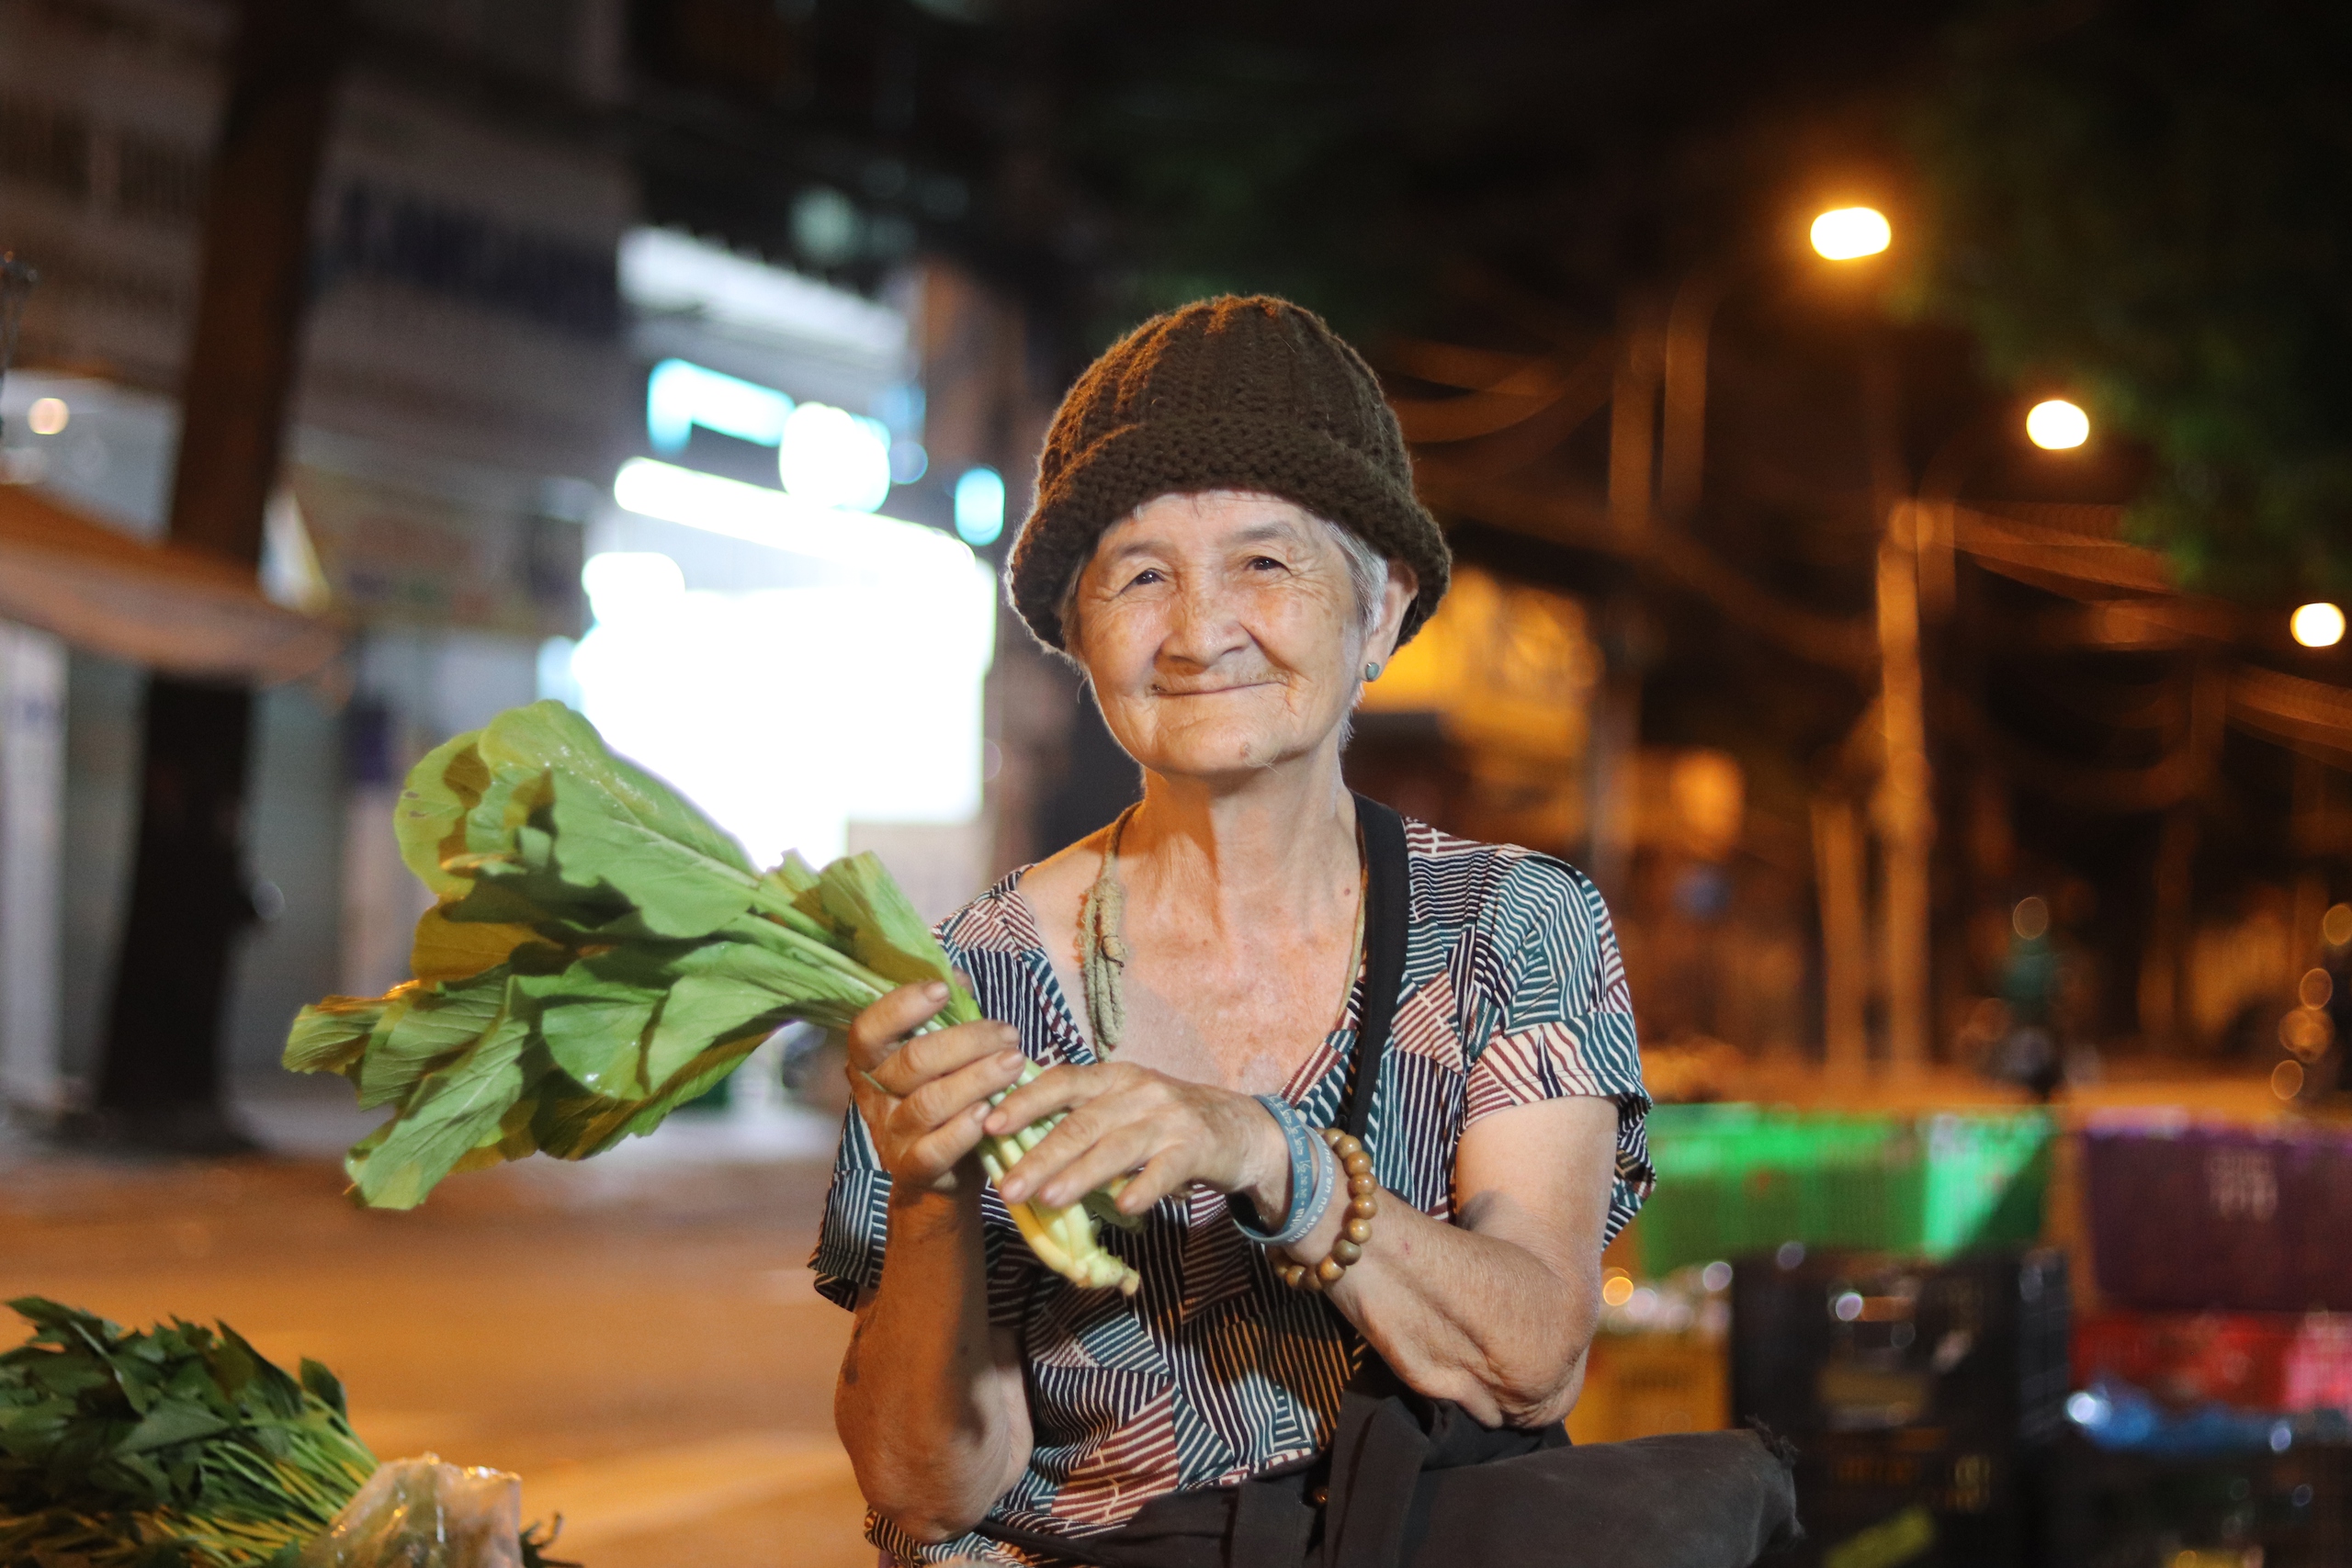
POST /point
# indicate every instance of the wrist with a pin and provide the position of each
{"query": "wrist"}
(918, 1210)
(1265, 1180)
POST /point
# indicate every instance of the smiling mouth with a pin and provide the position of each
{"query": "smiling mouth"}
(1208, 691)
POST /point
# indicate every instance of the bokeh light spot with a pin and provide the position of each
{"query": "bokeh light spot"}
(2286, 1079)
(1849, 233)
(2057, 425)
(2317, 626)
(2030, 918)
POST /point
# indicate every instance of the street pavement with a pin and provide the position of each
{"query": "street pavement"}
(637, 1338)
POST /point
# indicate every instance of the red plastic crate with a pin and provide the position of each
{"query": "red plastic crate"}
(2278, 1361)
(2193, 1217)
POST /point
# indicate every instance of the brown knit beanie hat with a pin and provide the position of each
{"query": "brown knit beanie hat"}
(1226, 394)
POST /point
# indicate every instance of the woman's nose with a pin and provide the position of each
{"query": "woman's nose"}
(1205, 627)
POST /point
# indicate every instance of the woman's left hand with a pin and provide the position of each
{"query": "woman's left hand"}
(1120, 1118)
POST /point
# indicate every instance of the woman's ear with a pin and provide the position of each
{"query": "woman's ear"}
(1404, 586)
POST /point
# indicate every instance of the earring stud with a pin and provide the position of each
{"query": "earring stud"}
(1372, 670)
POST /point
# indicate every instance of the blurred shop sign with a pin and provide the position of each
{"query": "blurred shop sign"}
(394, 556)
(1505, 668)
(443, 248)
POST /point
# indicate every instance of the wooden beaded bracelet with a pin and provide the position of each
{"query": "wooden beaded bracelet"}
(1364, 1203)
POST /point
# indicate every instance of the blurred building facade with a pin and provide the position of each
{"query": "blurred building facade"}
(493, 336)
(463, 383)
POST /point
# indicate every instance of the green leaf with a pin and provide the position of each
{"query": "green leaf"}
(549, 735)
(517, 895)
(710, 1009)
(569, 1123)
(516, 790)
(886, 934)
(451, 1111)
(614, 822)
(593, 1022)
(455, 949)
(680, 889)
(329, 1035)
(173, 1422)
(430, 819)
(438, 1024)
(324, 1386)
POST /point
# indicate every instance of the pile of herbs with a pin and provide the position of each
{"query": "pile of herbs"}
(178, 1446)
(601, 954)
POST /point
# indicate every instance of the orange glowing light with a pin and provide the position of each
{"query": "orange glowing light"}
(2056, 425)
(2317, 626)
(1850, 233)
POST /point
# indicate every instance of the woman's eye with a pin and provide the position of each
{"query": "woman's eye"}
(1145, 578)
(1264, 563)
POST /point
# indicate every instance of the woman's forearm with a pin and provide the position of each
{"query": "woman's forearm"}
(1473, 1317)
(934, 1416)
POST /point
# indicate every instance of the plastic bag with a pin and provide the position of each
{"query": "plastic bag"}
(421, 1513)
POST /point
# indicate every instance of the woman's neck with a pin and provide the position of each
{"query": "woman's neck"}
(1279, 845)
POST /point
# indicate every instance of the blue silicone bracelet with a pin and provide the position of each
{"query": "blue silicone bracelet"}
(1314, 1177)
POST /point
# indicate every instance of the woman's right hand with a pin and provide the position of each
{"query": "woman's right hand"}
(924, 1098)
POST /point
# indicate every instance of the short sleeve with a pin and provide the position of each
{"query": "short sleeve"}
(1557, 1019)
(857, 1224)
(856, 1227)
(848, 1259)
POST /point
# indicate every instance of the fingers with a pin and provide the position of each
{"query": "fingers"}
(930, 1156)
(876, 1033)
(1057, 1089)
(961, 1095)
(929, 1056)
(1101, 1136)
(1103, 1161)
(1163, 1174)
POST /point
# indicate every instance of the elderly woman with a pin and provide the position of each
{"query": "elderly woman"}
(1227, 543)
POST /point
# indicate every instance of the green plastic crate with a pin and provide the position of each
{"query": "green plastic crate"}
(1740, 1179)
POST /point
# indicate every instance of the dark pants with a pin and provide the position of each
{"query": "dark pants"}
(1411, 1482)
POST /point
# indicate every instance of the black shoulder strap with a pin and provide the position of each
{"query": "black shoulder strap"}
(1387, 913)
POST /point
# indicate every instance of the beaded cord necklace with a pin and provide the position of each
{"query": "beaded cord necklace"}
(1104, 950)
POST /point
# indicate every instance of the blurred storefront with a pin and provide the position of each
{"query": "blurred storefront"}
(509, 389)
(463, 385)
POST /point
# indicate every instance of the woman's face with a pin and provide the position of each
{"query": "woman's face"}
(1221, 633)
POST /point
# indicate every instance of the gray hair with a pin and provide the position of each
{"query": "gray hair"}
(1367, 581)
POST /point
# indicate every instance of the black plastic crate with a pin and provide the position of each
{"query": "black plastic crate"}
(1920, 1497)
(2135, 1510)
(1974, 1347)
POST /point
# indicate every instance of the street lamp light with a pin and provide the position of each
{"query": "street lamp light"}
(2317, 626)
(2057, 425)
(1850, 233)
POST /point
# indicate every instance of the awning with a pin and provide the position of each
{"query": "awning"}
(173, 609)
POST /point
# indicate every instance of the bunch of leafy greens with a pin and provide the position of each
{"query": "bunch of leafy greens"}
(602, 954)
(181, 1446)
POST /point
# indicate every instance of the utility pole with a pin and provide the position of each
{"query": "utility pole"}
(160, 1083)
(1905, 806)
(1617, 715)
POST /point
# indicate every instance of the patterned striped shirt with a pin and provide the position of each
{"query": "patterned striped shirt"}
(1214, 1371)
